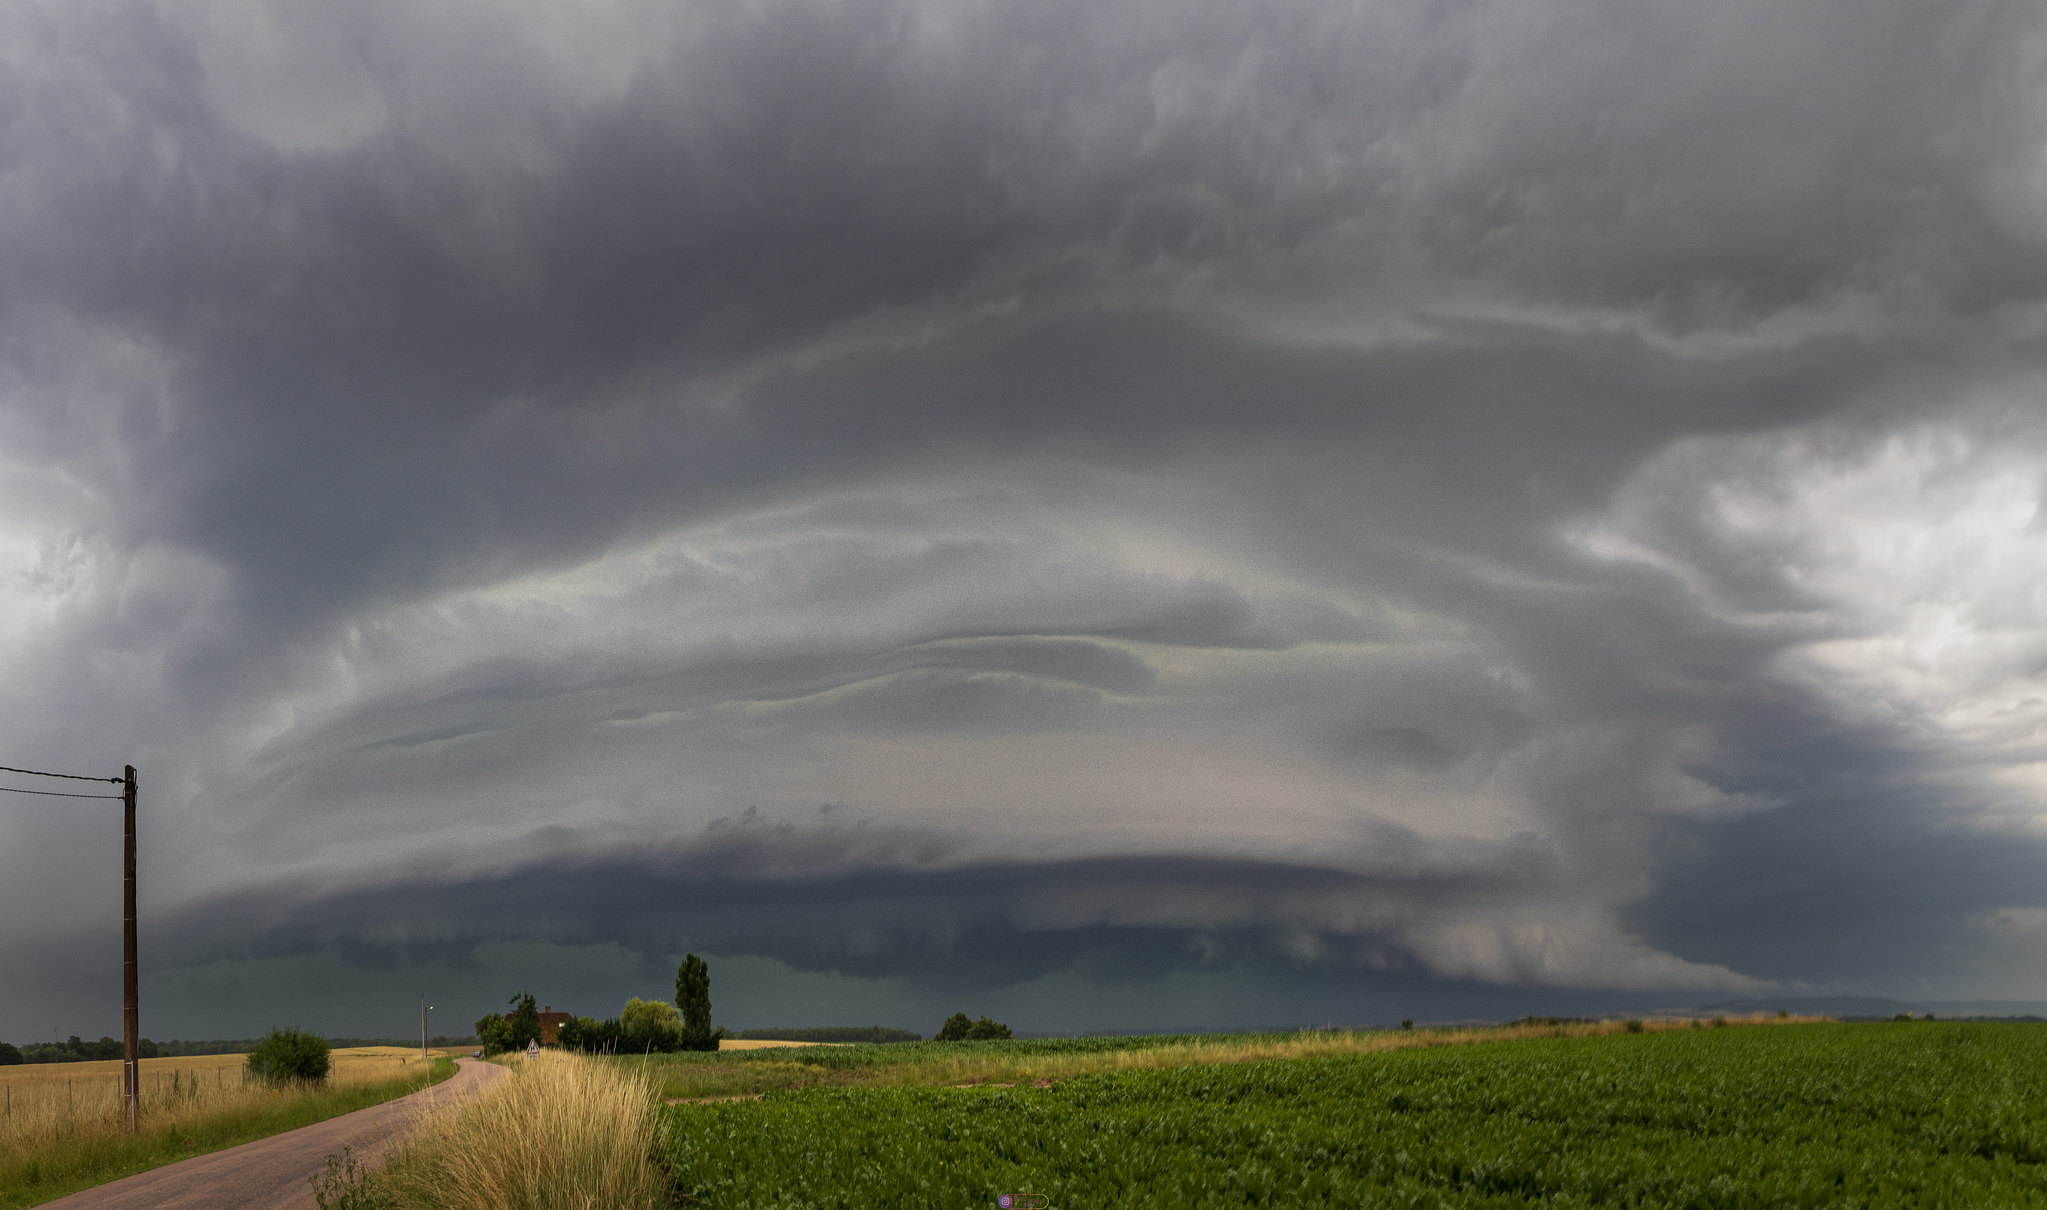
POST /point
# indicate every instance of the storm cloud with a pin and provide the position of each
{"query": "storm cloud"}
(1339, 505)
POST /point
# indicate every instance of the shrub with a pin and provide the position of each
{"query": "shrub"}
(1634, 1025)
(593, 1037)
(577, 1034)
(701, 1039)
(290, 1056)
(1407, 1023)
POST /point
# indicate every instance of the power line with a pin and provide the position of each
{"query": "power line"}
(73, 776)
(60, 793)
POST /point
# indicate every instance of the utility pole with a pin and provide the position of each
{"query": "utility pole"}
(422, 1023)
(130, 1018)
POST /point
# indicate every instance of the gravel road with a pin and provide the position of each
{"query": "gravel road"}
(278, 1171)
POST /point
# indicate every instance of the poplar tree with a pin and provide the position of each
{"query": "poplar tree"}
(693, 994)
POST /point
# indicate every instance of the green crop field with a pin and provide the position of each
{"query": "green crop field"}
(1908, 1114)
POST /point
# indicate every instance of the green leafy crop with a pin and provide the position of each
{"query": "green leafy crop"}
(1796, 1116)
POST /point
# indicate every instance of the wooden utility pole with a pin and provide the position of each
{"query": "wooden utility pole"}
(422, 1024)
(131, 1042)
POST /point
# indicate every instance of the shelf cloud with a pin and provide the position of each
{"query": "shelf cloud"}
(1158, 514)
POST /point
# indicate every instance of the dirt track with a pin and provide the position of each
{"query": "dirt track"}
(277, 1171)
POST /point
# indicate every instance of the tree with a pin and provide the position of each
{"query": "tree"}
(958, 1029)
(649, 1025)
(9, 1054)
(693, 994)
(495, 1033)
(290, 1056)
(650, 1016)
(525, 1021)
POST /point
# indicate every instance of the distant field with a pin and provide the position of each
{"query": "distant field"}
(1908, 1114)
(726, 1073)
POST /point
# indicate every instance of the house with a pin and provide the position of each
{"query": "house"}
(550, 1025)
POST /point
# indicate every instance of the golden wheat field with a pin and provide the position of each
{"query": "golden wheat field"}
(38, 1099)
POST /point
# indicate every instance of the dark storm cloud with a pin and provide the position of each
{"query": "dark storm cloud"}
(1386, 486)
(853, 900)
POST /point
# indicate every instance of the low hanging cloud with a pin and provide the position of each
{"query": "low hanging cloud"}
(1532, 497)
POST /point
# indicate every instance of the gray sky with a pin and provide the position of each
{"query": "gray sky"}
(1110, 515)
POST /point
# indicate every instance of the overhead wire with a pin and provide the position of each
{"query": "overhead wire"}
(72, 776)
(61, 793)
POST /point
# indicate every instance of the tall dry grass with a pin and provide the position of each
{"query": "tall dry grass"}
(562, 1133)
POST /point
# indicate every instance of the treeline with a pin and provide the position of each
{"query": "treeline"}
(832, 1033)
(175, 1049)
(77, 1050)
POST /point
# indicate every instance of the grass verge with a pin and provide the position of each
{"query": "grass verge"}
(1829, 1115)
(562, 1131)
(46, 1155)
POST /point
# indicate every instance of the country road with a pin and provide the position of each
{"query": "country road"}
(278, 1171)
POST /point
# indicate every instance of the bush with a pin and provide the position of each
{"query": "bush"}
(593, 1037)
(290, 1056)
(1634, 1025)
(700, 1039)
(577, 1034)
